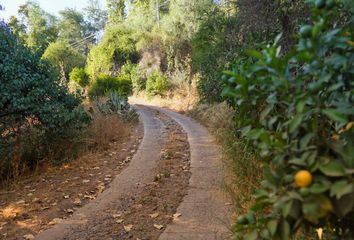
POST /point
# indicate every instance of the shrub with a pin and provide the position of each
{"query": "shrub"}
(156, 84)
(105, 84)
(79, 76)
(133, 71)
(31, 101)
(298, 111)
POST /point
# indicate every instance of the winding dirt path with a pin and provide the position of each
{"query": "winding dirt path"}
(203, 213)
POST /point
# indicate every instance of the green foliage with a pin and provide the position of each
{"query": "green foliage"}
(31, 100)
(116, 10)
(64, 58)
(115, 49)
(79, 76)
(156, 84)
(104, 84)
(136, 78)
(297, 109)
(36, 27)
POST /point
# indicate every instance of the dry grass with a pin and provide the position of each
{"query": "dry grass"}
(243, 169)
(105, 129)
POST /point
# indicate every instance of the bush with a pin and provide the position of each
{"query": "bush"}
(133, 71)
(156, 84)
(79, 76)
(105, 84)
(64, 58)
(297, 109)
(32, 102)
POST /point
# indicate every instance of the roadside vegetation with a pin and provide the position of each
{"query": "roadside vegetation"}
(273, 80)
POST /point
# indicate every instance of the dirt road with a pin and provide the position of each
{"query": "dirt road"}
(186, 185)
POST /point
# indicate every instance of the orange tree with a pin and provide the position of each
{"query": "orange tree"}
(298, 110)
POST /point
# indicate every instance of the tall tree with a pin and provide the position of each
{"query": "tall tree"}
(37, 27)
(96, 17)
(116, 10)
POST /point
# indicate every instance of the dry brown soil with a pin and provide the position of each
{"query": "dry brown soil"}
(36, 202)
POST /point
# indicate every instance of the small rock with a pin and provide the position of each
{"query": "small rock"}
(66, 196)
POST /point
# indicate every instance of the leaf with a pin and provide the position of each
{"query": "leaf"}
(295, 123)
(344, 205)
(285, 230)
(333, 169)
(128, 228)
(157, 226)
(254, 53)
(176, 216)
(335, 115)
(318, 188)
(286, 208)
(254, 133)
(154, 215)
(272, 226)
(28, 237)
(341, 188)
(252, 236)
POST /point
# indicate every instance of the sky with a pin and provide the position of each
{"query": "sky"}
(51, 6)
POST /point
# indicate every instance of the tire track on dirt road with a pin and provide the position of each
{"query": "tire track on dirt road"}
(205, 214)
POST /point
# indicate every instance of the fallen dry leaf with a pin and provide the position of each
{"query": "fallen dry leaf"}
(157, 226)
(154, 215)
(117, 215)
(128, 228)
(55, 221)
(120, 221)
(77, 201)
(28, 237)
(69, 210)
(66, 196)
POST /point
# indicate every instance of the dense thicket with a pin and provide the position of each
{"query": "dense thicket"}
(34, 107)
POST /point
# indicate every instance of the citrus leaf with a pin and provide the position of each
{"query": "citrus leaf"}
(333, 169)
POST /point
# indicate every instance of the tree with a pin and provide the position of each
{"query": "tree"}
(74, 29)
(64, 58)
(37, 27)
(116, 48)
(96, 17)
(116, 10)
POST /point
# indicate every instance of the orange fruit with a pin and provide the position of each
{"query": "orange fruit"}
(303, 178)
